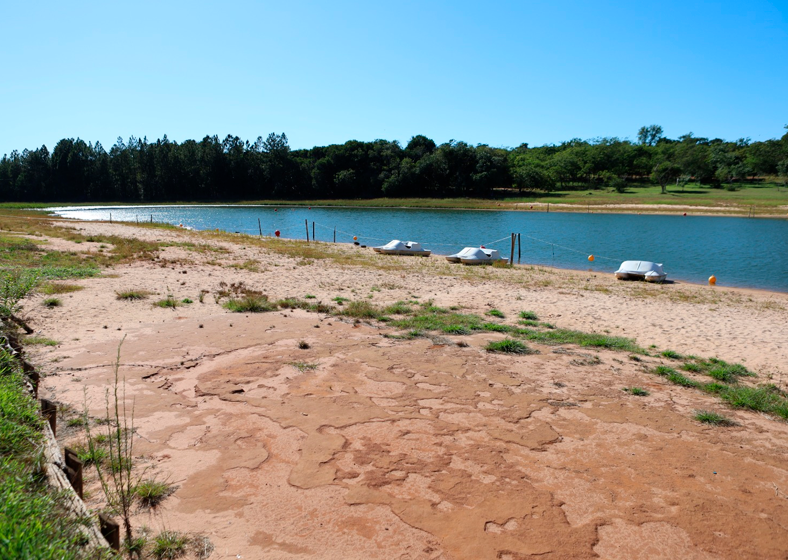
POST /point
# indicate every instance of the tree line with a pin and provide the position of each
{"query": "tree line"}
(137, 170)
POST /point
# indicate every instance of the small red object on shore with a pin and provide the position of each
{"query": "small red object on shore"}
(277, 232)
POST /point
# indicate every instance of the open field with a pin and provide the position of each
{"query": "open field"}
(384, 407)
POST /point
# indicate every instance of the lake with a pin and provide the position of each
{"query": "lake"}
(743, 252)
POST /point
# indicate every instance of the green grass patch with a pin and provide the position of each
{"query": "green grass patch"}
(713, 418)
(40, 341)
(528, 315)
(449, 323)
(496, 313)
(637, 391)
(410, 335)
(398, 308)
(250, 303)
(33, 521)
(692, 367)
(528, 322)
(361, 309)
(56, 288)
(496, 327)
(509, 346)
(671, 355)
(168, 303)
(295, 303)
(564, 336)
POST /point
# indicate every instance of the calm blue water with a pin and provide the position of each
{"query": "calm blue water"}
(744, 252)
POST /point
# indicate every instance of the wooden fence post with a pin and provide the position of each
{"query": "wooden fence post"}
(511, 255)
(306, 225)
(74, 470)
(519, 247)
(335, 234)
(313, 231)
(111, 531)
(49, 411)
(260, 227)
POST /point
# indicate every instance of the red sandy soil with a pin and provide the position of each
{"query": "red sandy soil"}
(415, 449)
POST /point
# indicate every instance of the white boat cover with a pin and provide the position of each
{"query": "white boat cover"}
(477, 255)
(646, 269)
(393, 245)
(468, 251)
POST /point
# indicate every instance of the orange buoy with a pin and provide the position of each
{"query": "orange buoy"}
(590, 258)
(712, 280)
(355, 238)
(277, 232)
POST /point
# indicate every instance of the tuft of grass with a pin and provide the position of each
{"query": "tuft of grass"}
(186, 301)
(637, 391)
(361, 309)
(448, 323)
(56, 288)
(303, 366)
(41, 340)
(766, 398)
(168, 303)
(76, 422)
(509, 346)
(340, 300)
(310, 296)
(528, 322)
(303, 345)
(713, 418)
(496, 313)
(132, 295)
(96, 456)
(675, 377)
(52, 302)
(529, 315)
(671, 355)
(152, 492)
(410, 335)
(250, 303)
(729, 373)
(169, 545)
(295, 303)
(694, 368)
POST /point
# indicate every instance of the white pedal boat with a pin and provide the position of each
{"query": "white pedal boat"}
(476, 255)
(641, 270)
(397, 247)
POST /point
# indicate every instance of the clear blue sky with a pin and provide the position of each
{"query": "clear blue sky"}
(497, 73)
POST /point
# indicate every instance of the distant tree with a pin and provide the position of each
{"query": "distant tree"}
(782, 171)
(665, 172)
(532, 176)
(419, 146)
(649, 135)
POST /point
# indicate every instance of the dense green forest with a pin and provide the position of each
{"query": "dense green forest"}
(212, 169)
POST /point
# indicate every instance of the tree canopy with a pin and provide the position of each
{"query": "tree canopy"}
(137, 170)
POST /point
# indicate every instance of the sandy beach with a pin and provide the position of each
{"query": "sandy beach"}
(293, 434)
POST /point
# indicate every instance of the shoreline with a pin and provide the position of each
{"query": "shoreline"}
(605, 208)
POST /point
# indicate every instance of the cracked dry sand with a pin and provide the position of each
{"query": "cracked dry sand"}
(410, 449)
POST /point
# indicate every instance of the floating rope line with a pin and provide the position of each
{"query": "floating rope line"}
(553, 245)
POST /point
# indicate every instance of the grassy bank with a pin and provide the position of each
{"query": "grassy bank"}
(33, 522)
(746, 198)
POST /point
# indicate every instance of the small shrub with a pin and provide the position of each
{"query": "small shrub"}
(186, 300)
(303, 345)
(637, 391)
(52, 302)
(91, 456)
(530, 315)
(169, 545)
(509, 346)
(671, 355)
(76, 422)
(309, 296)
(496, 313)
(132, 295)
(709, 417)
(664, 371)
(495, 327)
